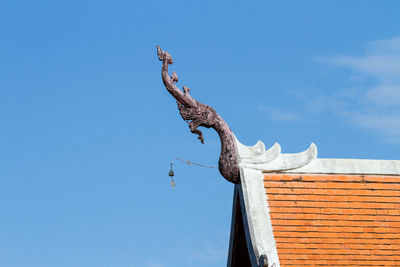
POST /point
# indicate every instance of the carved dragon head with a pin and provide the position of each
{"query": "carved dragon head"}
(195, 113)
(199, 114)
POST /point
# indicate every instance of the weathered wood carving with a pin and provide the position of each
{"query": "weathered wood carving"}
(198, 114)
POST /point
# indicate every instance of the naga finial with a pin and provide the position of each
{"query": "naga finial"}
(199, 114)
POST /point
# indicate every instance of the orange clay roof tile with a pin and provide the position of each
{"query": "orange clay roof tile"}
(335, 220)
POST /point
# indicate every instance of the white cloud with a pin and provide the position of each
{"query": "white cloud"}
(154, 264)
(376, 106)
(384, 95)
(388, 125)
(381, 60)
(278, 114)
(207, 254)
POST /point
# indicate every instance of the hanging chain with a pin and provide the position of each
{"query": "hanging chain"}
(188, 162)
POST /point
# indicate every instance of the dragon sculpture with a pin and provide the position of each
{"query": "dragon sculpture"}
(198, 114)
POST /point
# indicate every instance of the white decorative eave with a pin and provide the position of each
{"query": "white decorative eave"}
(272, 160)
(256, 157)
(255, 160)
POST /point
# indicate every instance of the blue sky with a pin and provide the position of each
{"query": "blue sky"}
(88, 130)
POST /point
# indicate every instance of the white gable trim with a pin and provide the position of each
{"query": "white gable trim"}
(257, 221)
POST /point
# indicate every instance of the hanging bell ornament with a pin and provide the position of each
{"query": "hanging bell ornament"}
(171, 174)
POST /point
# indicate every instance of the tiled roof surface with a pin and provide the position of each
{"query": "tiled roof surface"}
(335, 220)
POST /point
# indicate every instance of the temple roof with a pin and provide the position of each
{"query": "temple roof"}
(298, 210)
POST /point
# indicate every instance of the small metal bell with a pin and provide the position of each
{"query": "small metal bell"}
(171, 174)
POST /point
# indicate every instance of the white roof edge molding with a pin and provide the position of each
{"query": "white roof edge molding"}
(258, 158)
(257, 221)
(272, 160)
